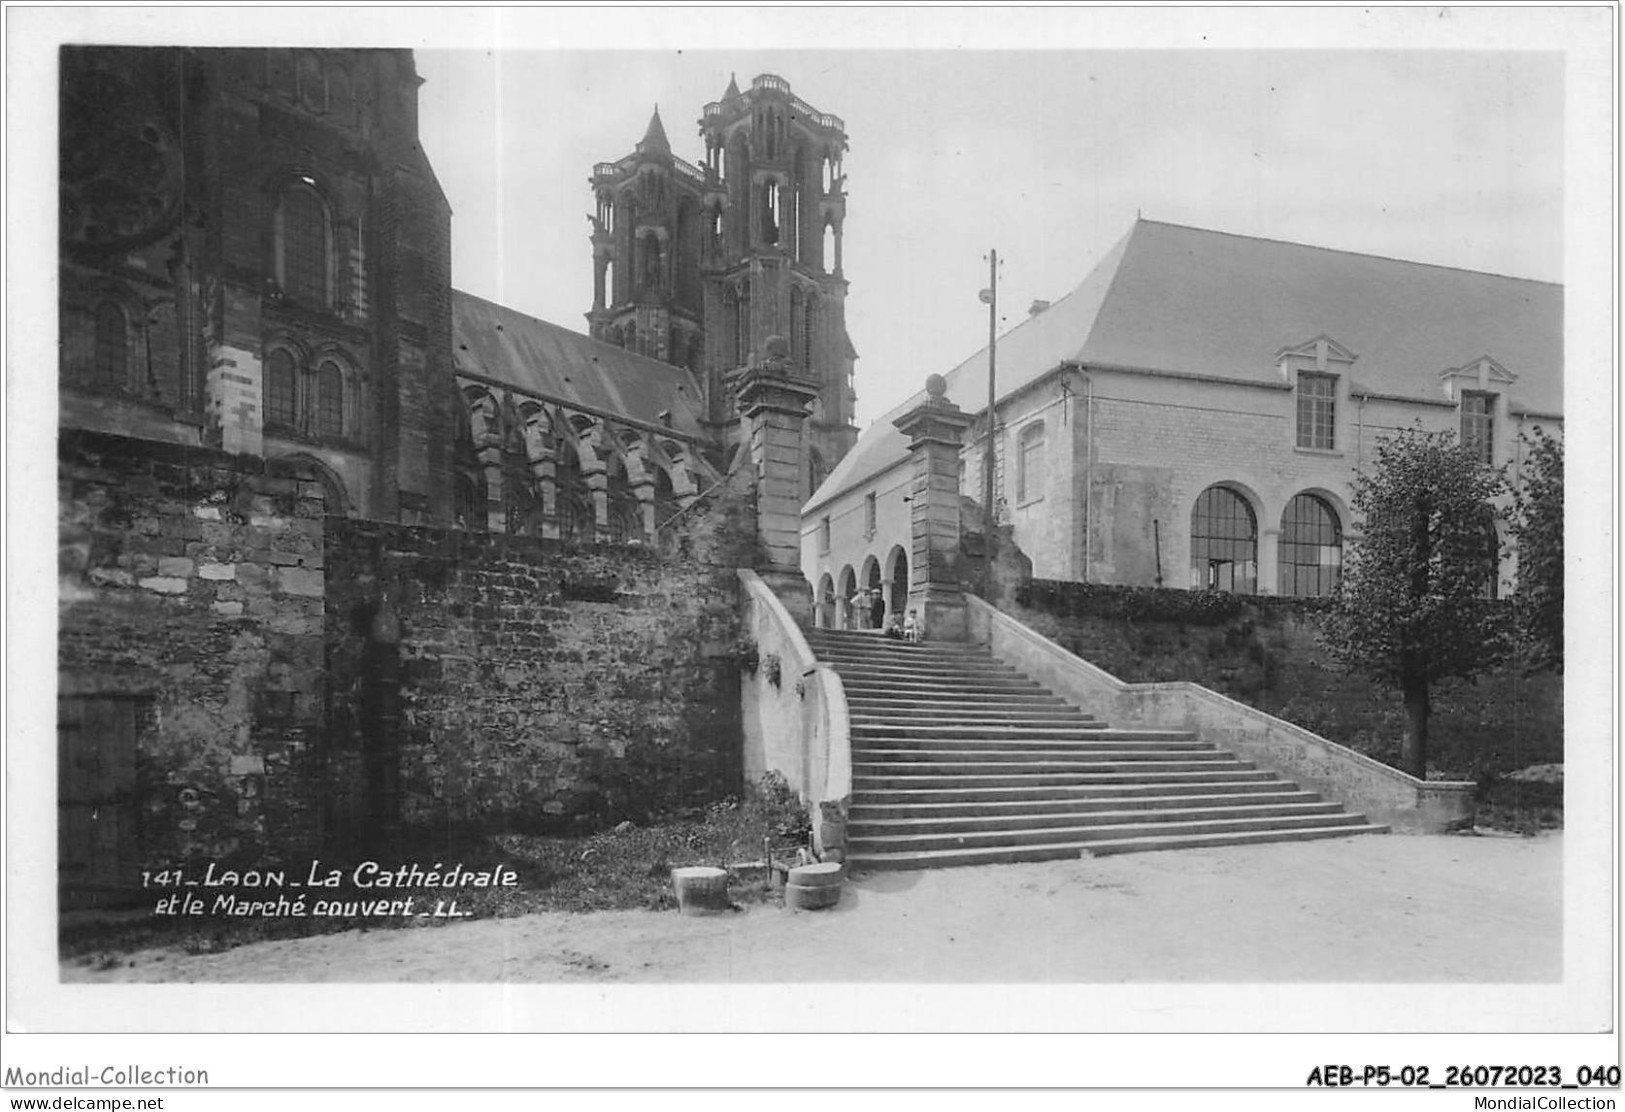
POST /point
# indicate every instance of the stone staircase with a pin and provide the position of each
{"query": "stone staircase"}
(958, 759)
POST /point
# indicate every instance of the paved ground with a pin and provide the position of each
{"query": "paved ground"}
(1373, 908)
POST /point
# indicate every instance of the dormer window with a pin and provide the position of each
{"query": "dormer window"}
(1477, 389)
(1478, 424)
(1316, 371)
(1317, 410)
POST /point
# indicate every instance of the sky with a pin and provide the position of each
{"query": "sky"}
(1046, 155)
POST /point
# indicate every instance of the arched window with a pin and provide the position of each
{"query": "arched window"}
(1030, 464)
(730, 312)
(809, 334)
(1311, 547)
(330, 400)
(112, 359)
(798, 336)
(625, 513)
(817, 472)
(770, 212)
(302, 245)
(1224, 543)
(573, 500)
(742, 325)
(666, 504)
(281, 397)
(468, 508)
(653, 264)
(521, 511)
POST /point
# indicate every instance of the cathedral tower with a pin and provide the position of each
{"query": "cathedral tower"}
(700, 265)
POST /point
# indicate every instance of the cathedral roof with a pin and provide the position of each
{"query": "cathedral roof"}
(496, 342)
(654, 140)
(733, 88)
(1180, 301)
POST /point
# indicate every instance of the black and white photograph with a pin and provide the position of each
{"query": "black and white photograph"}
(961, 521)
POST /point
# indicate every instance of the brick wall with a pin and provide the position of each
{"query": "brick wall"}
(191, 588)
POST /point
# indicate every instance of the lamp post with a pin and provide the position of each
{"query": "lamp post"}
(991, 297)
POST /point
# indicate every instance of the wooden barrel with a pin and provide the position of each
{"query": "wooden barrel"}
(701, 890)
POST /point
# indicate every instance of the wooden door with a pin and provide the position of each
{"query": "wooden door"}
(97, 841)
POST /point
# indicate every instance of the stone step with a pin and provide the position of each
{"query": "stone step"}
(947, 716)
(1048, 705)
(912, 793)
(878, 655)
(864, 684)
(1036, 732)
(1049, 852)
(1145, 824)
(903, 748)
(960, 667)
(868, 828)
(863, 782)
(1029, 753)
(1121, 800)
(957, 764)
(947, 704)
(878, 648)
(1074, 734)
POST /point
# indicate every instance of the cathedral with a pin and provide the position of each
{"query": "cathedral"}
(255, 257)
(347, 552)
(699, 265)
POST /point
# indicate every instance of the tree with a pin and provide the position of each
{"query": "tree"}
(1537, 527)
(1415, 602)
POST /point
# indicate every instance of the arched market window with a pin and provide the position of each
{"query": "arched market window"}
(1224, 543)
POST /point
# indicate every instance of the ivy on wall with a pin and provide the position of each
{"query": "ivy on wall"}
(1155, 604)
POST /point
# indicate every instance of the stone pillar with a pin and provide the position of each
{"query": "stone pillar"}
(232, 401)
(544, 478)
(496, 509)
(1268, 564)
(935, 428)
(773, 400)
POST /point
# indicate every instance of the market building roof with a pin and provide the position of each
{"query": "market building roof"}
(1169, 299)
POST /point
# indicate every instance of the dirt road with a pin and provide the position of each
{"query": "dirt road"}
(1367, 909)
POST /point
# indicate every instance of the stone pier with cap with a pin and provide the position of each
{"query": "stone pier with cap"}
(935, 429)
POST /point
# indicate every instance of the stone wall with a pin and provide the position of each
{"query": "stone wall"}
(190, 602)
(1382, 793)
(495, 682)
(265, 683)
(1266, 653)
